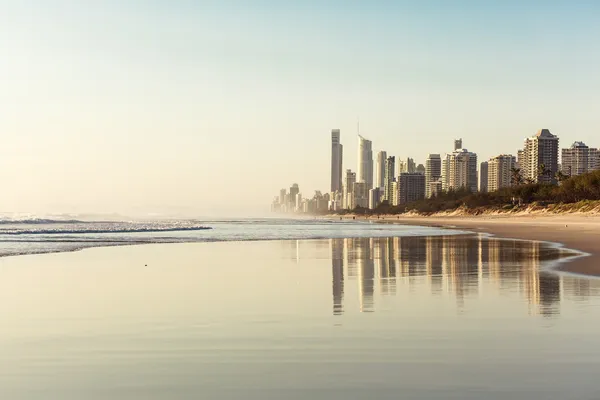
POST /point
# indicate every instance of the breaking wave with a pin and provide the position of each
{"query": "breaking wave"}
(100, 231)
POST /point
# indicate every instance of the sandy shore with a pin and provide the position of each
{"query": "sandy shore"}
(575, 231)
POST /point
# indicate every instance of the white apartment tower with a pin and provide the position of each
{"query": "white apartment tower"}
(336, 161)
(380, 170)
(374, 198)
(365, 162)
(540, 149)
(579, 159)
(500, 171)
(459, 170)
(433, 172)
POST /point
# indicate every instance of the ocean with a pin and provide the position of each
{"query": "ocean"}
(50, 235)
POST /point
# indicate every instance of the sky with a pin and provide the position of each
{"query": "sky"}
(202, 108)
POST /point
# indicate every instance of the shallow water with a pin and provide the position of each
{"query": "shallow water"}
(451, 317)
(37, 236)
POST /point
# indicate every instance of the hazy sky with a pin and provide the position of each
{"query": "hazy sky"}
(210, 107)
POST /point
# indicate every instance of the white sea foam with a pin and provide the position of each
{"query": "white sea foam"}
(42, 235)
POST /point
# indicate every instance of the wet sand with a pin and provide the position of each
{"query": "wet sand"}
(336, 319)
(578, 232)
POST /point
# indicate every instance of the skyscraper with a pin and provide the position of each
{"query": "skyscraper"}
(457, 144)
(578, 159)
(349, 181)
(365, 162)
(411, 187)
(380, 170)
(337, 151)
(402, 167)
(483, 177)
(459, 170)
(500, 171)
(374, 197)
(394, 199)
(433, 172)
(409, 166)
(520, 158)
(390, 171)
(360, 195)
(282, 194)
(291, 203)
(540, 149)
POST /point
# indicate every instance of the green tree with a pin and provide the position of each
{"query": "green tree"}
(543, 171)
(516, 177)
(561, 177)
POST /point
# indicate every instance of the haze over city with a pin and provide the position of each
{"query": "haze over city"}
(209, 108)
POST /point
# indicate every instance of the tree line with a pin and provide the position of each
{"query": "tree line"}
(522, 193)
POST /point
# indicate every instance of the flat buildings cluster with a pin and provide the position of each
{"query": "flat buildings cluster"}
(383, 178)
(292, 201)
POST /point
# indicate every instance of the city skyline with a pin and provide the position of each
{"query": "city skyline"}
(175, 88)
(537, 161)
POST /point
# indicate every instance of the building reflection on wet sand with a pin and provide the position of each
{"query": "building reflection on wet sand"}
(460, 265)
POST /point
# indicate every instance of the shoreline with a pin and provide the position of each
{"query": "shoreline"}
(579, 232)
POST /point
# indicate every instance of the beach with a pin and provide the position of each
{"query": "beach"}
(436, 317)
(575, 231)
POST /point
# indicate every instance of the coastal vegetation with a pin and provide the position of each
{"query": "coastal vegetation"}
(570, 194)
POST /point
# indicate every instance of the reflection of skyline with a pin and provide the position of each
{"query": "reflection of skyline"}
(458, 265)
(337, 272)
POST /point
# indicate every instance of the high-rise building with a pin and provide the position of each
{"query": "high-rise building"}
(299, 202)
(336, 201)
(459, 170)
(282, 194)
(380, 170)
(500, 171)
(540, 149)
(579, 159)
(520, 158)
(374, 198)
(594, 159)
(394, 198)
(365, 162)
(291, 200)
(411, 187)
(276, 205)
(421, 169)
(457, 144)
(390, 171)
(409, 166)
(402, 167)
(337, 151)
(483, 177)
(349, 182)
(435, 188)
(433, 172)
(361, 195)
